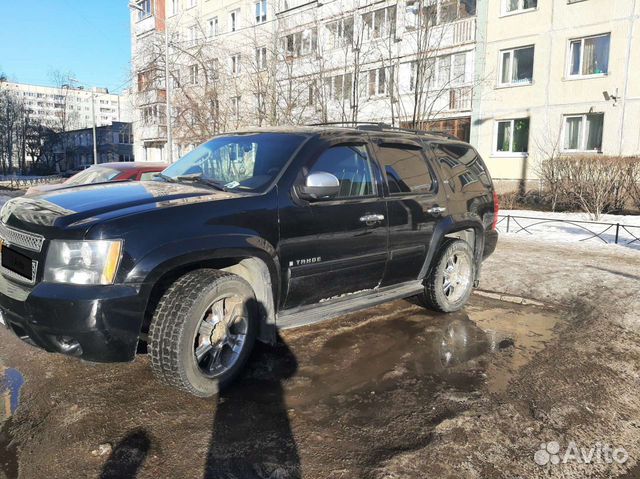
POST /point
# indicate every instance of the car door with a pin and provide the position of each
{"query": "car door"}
(415, 205)
(338, 245)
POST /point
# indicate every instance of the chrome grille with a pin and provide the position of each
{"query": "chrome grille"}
(7, 273)
(21, 238)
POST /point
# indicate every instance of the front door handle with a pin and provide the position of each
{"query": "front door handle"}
(371, 219)
(436, 210)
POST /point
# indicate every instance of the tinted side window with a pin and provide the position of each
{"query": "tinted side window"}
(353, 168)
(462, 162)
(406, 170)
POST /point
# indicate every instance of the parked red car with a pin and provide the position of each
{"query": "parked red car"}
(104, 172)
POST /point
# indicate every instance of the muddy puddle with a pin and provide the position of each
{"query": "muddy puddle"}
(11, 381)
(332, 400)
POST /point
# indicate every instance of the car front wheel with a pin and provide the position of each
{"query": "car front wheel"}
(203, 331)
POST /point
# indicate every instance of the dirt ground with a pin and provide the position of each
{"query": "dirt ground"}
(391, 392)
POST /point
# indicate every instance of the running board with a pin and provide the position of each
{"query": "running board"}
(315, 313)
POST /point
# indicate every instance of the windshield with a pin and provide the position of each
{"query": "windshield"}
(246, 161)
(95, 174)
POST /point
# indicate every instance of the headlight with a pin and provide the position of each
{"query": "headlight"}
(82, 262)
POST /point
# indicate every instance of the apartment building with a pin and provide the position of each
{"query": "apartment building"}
(555, 78)
(50, 105)
(74, 148)
(239, 63)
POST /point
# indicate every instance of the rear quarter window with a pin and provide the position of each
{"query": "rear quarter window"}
(462, 164)
(406, 169)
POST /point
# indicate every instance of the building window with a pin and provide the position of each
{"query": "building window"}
(341, 32)
(589, 55)
(172, 7)
(193, 74)
(379, 23)
(452, 10)
(214, 69)
(583, 132)
(145, 9)
(145, 79)
(191, 3)
(451, 70)
(213, 27)
(233, 20)
(235, 64)
(193, 35)
(301, 43)
(339, 87)
(515, 6)
(261, 58)
(517, 66)
(512, 136)
(235, 107)
(261, 11)
(380, 81)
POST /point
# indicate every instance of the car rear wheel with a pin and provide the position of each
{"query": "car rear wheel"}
(203, 331)
(450, 283)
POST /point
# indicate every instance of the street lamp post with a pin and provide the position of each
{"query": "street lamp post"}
(136, 6)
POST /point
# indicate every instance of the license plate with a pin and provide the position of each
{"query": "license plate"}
(17, 262)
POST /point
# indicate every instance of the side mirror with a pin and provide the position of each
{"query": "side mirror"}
(319, 186)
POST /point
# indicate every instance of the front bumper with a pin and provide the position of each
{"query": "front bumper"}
(96, 323)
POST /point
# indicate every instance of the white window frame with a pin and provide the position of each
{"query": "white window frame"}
(517, 11)
(336, 30)
(510, 153)
(194, 74)
(261, 11)
(235, 107)
(388, 82)
(174, 7)
(214, 27)
(387, 27)
(234, 20)
(340, 79)
(580, 75)
(145, 9)
(261, 58)
(582, 147)
(234, 64)
(192, 3)
(511, 52)
(194, 35)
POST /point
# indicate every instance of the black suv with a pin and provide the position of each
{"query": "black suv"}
(249, 232)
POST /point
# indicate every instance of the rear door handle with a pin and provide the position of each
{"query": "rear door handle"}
(371, 219)
(436, 210)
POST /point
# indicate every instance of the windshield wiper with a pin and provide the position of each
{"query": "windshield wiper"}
(166, 178)
(198, 178)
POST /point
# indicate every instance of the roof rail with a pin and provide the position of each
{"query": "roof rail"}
(379, 126)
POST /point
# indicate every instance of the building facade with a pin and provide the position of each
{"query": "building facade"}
(555, 78)
(74, 148)
(69, 107)
(239, 63)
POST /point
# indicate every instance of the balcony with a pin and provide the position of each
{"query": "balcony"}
(145, 25)
(457, 33)
(152, 133)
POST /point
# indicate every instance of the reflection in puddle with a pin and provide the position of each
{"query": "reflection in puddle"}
(445, 351)
(10, 384)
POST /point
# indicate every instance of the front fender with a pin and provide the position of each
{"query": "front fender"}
(178, 254)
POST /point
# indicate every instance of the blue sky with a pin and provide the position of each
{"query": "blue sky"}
(88, 38)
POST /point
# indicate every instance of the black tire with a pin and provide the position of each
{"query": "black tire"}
(176, 322)
(434, 296)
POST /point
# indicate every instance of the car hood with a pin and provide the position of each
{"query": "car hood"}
(87, 204)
